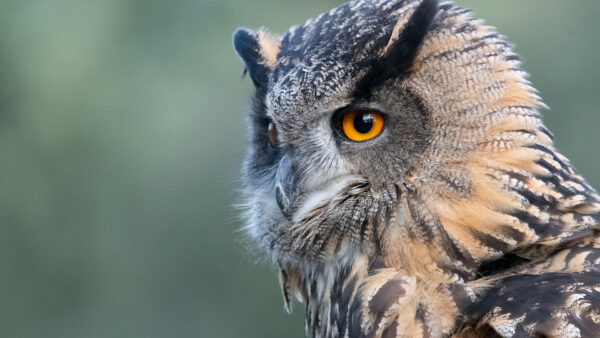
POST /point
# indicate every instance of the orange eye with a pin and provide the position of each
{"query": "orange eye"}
(362, 125)
(272, 133)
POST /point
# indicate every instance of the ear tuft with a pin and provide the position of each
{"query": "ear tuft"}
(402, 49)
(258, 51)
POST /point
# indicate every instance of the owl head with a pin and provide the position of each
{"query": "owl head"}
(397, 129)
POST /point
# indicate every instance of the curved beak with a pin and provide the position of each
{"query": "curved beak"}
(285, 186)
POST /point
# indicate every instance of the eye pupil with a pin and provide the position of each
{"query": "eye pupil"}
(363, 123)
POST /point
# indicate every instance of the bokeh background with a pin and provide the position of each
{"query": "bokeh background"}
(121, 136)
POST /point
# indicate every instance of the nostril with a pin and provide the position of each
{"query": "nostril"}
(282, 200)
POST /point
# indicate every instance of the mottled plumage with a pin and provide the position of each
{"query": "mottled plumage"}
(459, 219)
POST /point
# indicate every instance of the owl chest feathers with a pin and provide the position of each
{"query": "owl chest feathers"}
(364, 298)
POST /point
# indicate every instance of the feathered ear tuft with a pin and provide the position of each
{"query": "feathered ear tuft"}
(258, 51)
(401, 50)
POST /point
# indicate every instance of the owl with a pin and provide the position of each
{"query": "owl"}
(401, 181)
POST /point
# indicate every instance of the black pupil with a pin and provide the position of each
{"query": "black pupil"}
(363, 123)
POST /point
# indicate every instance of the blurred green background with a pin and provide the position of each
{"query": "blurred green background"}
(121, 137)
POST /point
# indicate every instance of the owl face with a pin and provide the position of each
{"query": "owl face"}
(387, 128)
(333, 126)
